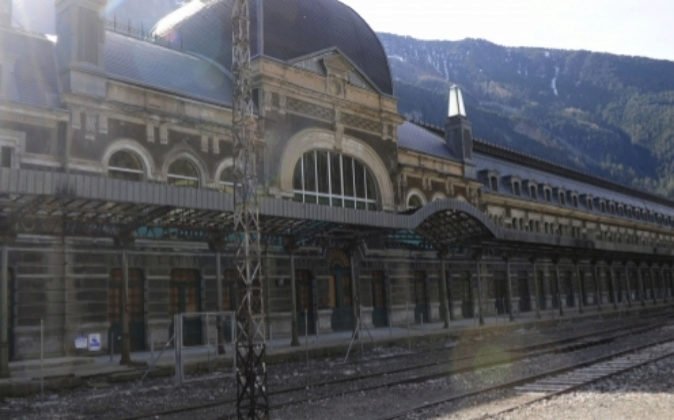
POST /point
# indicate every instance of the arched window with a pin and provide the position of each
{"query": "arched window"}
(126, 165)
(183, 173)
(333, 179)
(414, 202)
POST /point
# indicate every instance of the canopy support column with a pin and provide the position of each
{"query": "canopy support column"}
(597, 286)
(537, 292)
(509, 284)
(614, 292)
(642, 289)
(559, 287)
(628, 285)
(478, 284)
(579, 285)
(126, 337)
(444, 301)
(4, 312)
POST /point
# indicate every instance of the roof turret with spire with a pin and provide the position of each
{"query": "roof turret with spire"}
(458, 129)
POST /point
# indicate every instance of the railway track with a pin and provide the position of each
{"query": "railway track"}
(420, 372)
(546, 385)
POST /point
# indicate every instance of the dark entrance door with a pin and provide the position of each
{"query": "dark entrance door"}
(12, 308)
(570, 299)
(379, 312)
(230, 302)
(421, 309)
(136, 309)
(305, 302)
(501, 291)
(556, 294)
(609, 287)
(185, 297)
(541, 291)
(583, 288)
(467, 296)
(341, 299)
(524, 293)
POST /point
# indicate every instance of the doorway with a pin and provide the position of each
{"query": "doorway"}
(467, 306)
(185, 297)
(421, 307)
(542, 304)
(524, 293)
(136, 309)
(501, 293)
(568, 286)
(379, 311)
(305, 302)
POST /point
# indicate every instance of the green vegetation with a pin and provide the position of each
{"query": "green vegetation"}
(611, 116)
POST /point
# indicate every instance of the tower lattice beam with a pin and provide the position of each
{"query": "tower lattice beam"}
(251, 375)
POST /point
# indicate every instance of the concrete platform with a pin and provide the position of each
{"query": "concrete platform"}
(64, 372)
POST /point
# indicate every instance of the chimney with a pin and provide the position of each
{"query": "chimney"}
(458, 130)
(5, 13)
(80, 27)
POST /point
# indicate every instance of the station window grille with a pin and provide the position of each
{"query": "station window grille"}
(334, 179)
(183, 173)
(126, 165)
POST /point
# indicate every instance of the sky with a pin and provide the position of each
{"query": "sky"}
(629, 27)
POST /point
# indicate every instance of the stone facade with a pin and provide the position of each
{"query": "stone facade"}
(321, 102)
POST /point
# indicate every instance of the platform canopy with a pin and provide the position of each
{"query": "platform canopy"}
(52, 203)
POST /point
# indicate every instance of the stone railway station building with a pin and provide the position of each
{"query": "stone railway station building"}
(116, 179)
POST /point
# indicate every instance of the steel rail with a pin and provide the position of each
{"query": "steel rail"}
(446, 368)
(538, 376)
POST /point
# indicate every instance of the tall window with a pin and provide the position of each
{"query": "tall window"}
(126, 165)
(183, 173)
(333, 179)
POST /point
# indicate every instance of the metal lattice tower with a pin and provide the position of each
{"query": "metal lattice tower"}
(251, 374)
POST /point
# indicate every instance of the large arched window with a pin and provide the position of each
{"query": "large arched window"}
(183, 173)
(333, 179)
(127, 165)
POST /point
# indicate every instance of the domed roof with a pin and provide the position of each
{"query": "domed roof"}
(290, 29)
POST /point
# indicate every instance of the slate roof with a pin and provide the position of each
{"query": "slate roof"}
(143, 63)
(416, 138)
(30, 77)
(291, 29)
(419, 139)
(506, 168)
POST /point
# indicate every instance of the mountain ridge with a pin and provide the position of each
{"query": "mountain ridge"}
(609, 115)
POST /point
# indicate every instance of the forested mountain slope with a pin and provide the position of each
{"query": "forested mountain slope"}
(609, 115)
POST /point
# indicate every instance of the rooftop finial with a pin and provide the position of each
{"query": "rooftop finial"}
(456, 107)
